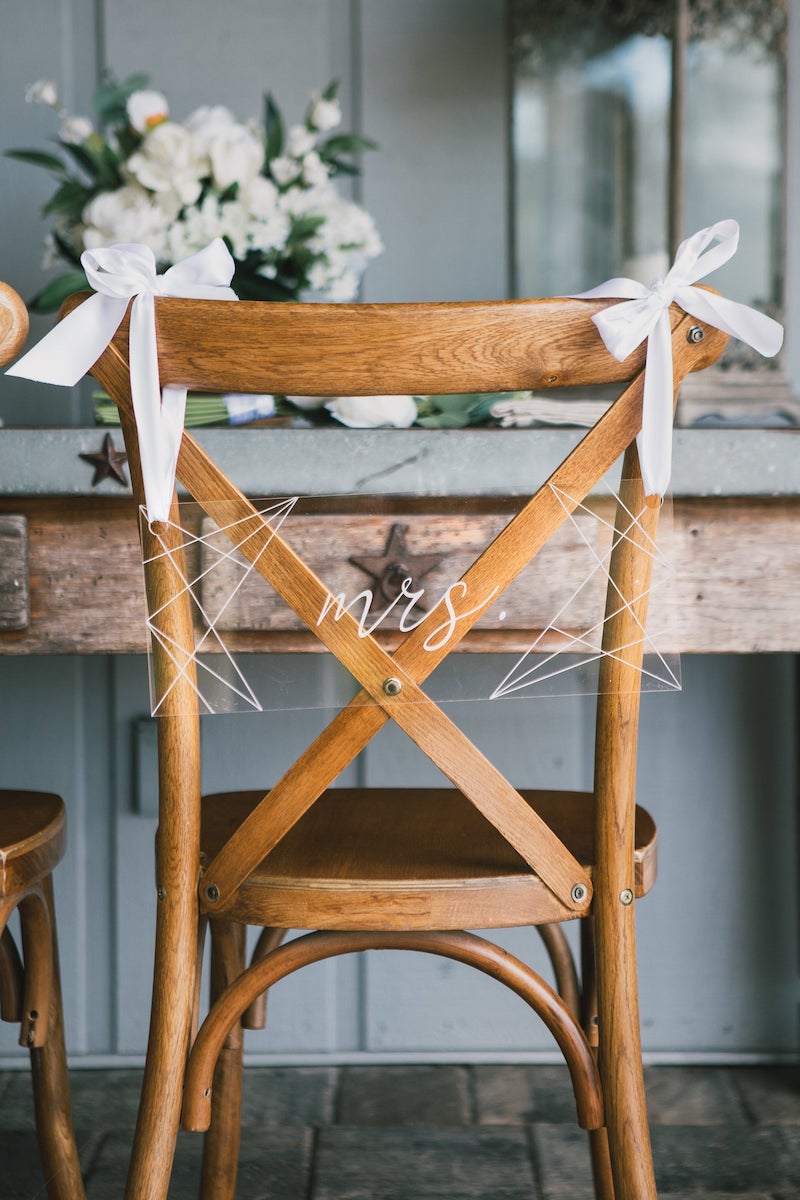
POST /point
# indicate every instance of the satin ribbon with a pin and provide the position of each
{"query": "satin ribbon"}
(68, 352)
(645, 314)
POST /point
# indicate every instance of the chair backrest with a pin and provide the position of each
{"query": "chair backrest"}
(13, 323)
(421, 349)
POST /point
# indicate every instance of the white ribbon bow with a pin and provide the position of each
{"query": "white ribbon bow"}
(646, 315)
(64, 355)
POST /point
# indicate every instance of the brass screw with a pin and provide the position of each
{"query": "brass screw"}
(212, 893)
(392, 686)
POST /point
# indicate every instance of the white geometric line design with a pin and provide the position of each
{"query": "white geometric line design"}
(236, 684)
(220, 685)
(587, 644)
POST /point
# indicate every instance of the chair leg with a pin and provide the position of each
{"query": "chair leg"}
(269, 939)
(601, 1164)
(221, 1142)
(170, 1026)
(38, 939)
(620, 1053)
(563, 964)
(11, 979)
(588, 1013)
(598, 1138)
(54, 1129)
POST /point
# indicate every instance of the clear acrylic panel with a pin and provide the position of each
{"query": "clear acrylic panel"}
(384, 571)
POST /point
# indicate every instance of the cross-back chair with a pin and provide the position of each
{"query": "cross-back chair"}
(32, 843)
(387, 867)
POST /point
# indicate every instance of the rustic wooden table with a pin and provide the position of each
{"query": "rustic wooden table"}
(69, 560)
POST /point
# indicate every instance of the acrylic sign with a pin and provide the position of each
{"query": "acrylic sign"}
(387, 576)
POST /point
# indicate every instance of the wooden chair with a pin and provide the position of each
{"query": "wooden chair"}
(404, 869)
(32, 842)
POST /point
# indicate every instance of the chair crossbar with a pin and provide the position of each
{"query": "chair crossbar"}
(420, 718)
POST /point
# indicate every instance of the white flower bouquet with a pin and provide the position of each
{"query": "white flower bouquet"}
(137, 175)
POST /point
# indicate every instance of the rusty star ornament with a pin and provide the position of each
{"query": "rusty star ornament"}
(389, 570)
(108, 462)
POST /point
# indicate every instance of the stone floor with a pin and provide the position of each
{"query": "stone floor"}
(421, 1133)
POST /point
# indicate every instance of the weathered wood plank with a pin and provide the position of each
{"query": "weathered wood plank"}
(735, 590)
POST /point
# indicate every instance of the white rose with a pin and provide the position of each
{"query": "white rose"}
(315, 172)
(324, 114)
(235, 225)
(75, 130)
(270, 233)
(129, 214)
(260, 196)
(146, 110)
(43, 91)
(344, 287)
(350, 225)
(369, 412)
(302, 201)
(284, 170)
(209, 120)
(198, 226)
(169, 160)
(300, 141)
(236, 156)
(319, 276)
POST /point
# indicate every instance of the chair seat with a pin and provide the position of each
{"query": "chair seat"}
(431, 858)
(32, 837)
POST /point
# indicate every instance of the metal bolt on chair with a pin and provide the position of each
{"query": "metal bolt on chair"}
(388, 867)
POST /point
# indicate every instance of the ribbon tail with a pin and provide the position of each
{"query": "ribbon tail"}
(71, 349)
(654, 442)
(738, 320)
(619, 288)
(173, 411)
(146, 397)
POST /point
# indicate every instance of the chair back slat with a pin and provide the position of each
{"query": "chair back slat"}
(417, 349)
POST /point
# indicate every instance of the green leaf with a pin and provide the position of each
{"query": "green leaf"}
(111, 98)
(111, 165)
(457, 410)
(273, 129)
(305, 227)
(346, 143)
(128, 140)
(100, 165)
(65, 249)
(257, 287)
(340, 167)
(444, 420)
(38, 158)
(54, 294)
(331, 90)
(69, 199)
